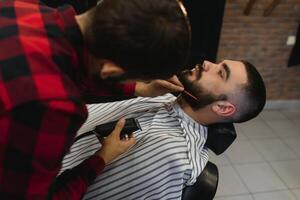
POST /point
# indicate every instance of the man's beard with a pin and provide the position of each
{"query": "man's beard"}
(204, 97)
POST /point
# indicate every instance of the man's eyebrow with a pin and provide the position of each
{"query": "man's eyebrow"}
(227, 70)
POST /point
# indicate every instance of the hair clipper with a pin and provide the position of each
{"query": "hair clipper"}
(131, 125)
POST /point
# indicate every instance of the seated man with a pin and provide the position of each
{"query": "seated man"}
(170, 151)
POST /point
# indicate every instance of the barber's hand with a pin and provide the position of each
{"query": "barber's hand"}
(158, 87)
(113, 146)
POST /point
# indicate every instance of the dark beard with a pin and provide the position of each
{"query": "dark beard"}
(204, 97)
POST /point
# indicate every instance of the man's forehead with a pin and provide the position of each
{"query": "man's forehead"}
(232, 62)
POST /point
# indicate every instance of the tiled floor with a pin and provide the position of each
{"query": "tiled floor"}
(264, 162)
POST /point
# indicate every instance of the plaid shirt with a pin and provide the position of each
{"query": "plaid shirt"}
(42, 82)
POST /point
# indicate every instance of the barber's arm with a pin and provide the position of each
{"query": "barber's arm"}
(106, 92)
(72, 183)
(158, 87)
(34, 137)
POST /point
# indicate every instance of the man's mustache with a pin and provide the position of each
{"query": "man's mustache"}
(187, 72)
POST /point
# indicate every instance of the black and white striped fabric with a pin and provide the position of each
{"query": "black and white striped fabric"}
(169, 153)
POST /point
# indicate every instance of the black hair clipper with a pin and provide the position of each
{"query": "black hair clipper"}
(131, 125)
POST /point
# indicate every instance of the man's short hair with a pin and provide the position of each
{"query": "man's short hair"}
(147, 38)
(254, 95)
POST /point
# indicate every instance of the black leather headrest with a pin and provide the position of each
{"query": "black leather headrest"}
(220, 137)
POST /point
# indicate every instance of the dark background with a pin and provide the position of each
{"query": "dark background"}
(206, 18)
(295, 55)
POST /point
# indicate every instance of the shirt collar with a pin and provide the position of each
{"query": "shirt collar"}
(182, 114)
(188, 124)
(195, 135)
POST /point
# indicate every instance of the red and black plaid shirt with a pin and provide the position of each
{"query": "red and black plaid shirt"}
(42, 79)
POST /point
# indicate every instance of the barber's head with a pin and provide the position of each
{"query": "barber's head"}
(139, 39)
(233, 90)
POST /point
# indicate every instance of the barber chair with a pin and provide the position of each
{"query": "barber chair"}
(220, 137)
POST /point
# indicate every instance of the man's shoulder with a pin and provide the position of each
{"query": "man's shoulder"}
(36, 62)
(167, 98)
(18, 85)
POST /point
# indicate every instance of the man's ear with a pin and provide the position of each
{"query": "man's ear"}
(223, 108)
(110, 69)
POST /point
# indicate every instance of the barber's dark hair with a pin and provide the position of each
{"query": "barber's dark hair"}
(147, 38)
(255, 94)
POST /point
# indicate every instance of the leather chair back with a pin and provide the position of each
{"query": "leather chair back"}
(220, 137)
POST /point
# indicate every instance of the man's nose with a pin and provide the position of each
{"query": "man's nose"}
(208, 65)
(205, 65)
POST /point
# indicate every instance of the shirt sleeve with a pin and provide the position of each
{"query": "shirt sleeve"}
(34, 138)
(102, 91)
(72, 183)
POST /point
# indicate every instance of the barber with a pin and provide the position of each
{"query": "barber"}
(51, 59)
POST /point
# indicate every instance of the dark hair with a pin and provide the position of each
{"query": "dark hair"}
(255, 94)
(147, 38)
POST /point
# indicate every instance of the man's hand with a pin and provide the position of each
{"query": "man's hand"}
(113, 146)
(158, 87)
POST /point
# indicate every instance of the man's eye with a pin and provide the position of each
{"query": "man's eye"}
(221, 74)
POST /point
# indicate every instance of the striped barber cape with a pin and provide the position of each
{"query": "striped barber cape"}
(168, 155)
